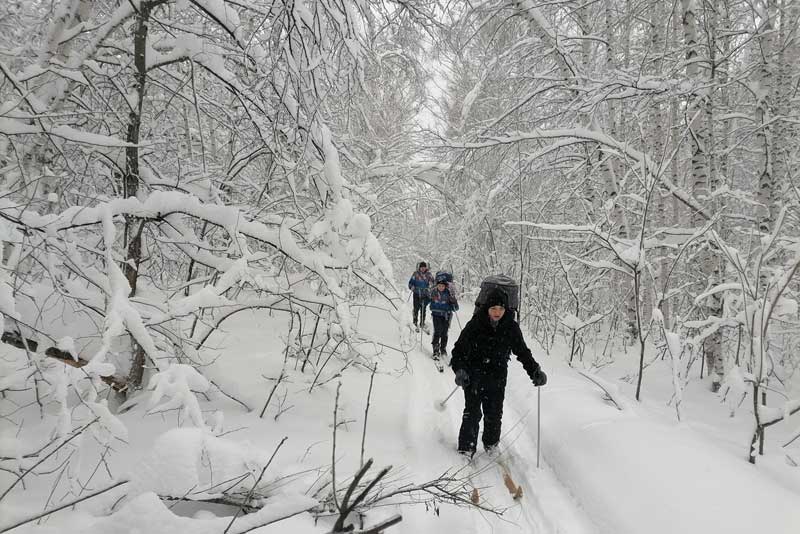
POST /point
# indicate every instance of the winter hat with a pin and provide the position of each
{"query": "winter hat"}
(496, 297)
(422, 264)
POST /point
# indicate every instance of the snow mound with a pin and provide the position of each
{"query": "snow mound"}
(146, 513)
(192, 462)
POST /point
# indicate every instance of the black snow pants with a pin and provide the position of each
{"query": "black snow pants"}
(441, 324)
(420, 304)
(484, 395)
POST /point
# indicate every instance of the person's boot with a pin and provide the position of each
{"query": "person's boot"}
(468, 454)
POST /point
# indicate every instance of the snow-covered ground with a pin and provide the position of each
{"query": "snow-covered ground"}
(603, 469)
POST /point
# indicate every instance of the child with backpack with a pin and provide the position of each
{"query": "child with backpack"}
(443, 303)
(480, 361)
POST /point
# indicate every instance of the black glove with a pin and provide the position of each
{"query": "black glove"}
(462, 378)
(539, 378)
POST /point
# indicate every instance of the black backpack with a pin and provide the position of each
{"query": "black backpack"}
(504, 283)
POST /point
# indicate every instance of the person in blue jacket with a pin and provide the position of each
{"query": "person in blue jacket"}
(420, 285)
(443, 304)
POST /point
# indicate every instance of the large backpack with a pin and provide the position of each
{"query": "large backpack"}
(504, 283)
(444, 276)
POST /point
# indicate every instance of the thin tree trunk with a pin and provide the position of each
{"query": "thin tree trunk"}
(130, 181)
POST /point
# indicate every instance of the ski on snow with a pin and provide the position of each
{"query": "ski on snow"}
(514, 489)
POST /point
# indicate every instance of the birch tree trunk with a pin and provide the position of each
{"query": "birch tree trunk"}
(764, 92)
(659, 136)
(698, 70)
(785, 103)
(767, 193)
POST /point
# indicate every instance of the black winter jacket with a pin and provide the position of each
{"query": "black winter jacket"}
(484, 351)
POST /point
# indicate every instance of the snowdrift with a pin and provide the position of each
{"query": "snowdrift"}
(633, 473)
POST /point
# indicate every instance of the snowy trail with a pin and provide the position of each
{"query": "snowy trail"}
(546, 506)
(595, 462)
(548, 503)
(428, 434)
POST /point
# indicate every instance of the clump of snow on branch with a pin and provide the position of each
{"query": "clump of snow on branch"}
(633, 256)
(120, 313)
(60, 379)
(733, 388)
(110, 425)
(207, 297)
(177, 383)
(675, 348)
(67, 344)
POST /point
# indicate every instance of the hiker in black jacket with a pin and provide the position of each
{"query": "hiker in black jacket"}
(480, 362)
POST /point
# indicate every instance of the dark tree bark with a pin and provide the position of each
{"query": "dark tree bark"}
(130, 181)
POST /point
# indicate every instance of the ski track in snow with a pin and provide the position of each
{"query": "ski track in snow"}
(548, 503)
(546, 506)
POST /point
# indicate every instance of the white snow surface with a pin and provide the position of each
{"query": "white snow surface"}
(633, 473)
(603, 470)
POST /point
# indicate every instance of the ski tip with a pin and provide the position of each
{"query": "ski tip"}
(514, 489)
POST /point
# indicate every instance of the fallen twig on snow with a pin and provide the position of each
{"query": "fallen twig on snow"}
(614, 397)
